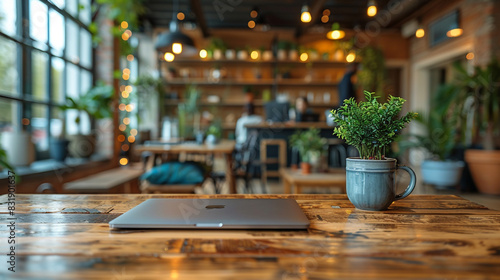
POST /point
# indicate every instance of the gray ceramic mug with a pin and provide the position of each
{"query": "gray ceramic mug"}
(371, 184)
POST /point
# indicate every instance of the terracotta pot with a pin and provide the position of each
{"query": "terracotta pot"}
(484, 167)
(305, 167)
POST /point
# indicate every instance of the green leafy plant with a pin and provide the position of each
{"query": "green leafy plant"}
(440, 136)
(478, 99)
(370, 126)
(215, 129)
(372, 74)
(307, 142)
(4, 161)
(96, 102)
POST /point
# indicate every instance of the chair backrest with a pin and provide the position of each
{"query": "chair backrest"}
(281, 150)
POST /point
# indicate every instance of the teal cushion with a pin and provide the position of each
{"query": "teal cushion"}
(175, 173)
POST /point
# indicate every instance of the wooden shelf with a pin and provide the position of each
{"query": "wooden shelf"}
(249, 61)
(302, 82)
(257, 103)
(263, 82)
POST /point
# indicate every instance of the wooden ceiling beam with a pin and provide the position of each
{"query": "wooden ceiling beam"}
(200, 17)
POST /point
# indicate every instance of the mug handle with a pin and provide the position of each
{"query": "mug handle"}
(411, 186)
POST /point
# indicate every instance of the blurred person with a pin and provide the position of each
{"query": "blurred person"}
(346, 85)
(301, 109)
(248, 117)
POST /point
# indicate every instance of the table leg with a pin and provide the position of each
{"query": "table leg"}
(230, 179)
(286, 185)
(298, 189)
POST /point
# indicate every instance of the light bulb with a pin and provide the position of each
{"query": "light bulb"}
(169, 56)
(176, 48)
(303, 57)
(335, 34)
(454, 32)
(372, 8)
(305, 16)
(251, 24)
(203, 53)
(420, 33)
(470, 56)
(254, 54)
(350, 57)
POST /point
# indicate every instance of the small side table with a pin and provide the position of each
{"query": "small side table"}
(334, 178)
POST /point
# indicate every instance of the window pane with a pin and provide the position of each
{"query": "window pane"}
(56, 30)
(86, 48)
(84, 123)
(72, 7)
(56, 123)
(86, 81)
(72, 84)
(39, 126)
(38, 21)
(39, 75)
(72, 41)
(57, 80)
(85, 13)
(8, 16)
(8, 115)
(59, 3)
(71, 124)
(8, 67)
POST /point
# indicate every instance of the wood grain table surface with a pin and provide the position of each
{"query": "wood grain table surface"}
(420, 237)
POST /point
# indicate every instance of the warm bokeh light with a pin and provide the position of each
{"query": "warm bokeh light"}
(124, 24)
(133, 132)
(25, 121)
(121, 138)
(130, 57)
(335, 34)
(303, 57)
(125, 94)
(325, 19)
(123, 161)
(126, 71)
(371, 11)
(122, 127)
(251, 24)
(125, 36)
(122, 87)
(126, 121)
(122, 107)
(470, 56)
(131, 139)
(420, 33)
(125, 77)
(254, 54)
(129, 108)
(180, 16)
(305, 16)
(326, 12)
(350, 57)
(125, 147)
(203, 53)
(454, 32)
(176, 48)
(169, 56)
(254, 14)
(129, 88)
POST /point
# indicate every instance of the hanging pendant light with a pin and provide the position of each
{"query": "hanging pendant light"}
(305, 15)
(371, 11)
(335, 33)
(174, 41)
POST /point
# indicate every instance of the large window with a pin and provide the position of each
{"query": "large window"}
(46, 55)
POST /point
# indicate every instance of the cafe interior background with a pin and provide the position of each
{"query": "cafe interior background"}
(130, 84)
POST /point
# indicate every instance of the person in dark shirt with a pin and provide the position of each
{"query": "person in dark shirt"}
(346, 85)
(301, 108)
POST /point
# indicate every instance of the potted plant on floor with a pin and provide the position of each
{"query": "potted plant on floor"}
(439, 140)
(310, 146)
(97, 104)
(478, 100)
(371, 127)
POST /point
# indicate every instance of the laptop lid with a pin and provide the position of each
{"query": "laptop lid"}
(199, 213)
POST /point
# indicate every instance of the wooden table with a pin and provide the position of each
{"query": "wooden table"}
(420, 237)
(224, 147)
(335, 178)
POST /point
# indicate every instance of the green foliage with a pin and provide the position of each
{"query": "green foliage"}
(217, 44)
(4, 161)
(478, 96)
(307, 142)
(370, 126)
(215, 129)
(96, 102)
(440, 135)
(372, 74)
(192, 97)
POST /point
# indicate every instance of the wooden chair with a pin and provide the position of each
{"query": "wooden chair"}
(265, 160)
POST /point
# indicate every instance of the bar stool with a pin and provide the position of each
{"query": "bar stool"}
(265, 160)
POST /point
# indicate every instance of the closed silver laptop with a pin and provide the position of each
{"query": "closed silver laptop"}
(214, 214)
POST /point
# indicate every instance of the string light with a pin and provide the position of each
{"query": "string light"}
(122, 107)
(180, 16)
(133, 132)
(123, 161)
(326, 12)
(121, 138)
(454, 32)
(351, 57)
(305, 16)
(254, 54)
(125, 147)
(325, 19)
(303, 56)
(130, 57)
(25, 121)
(254, 14)
(126, 71)
(176, 48)
(122, 127)
(470, 56)
(126, 121)
(203, 53)
(129, 108)
(124, 24)
(420, 33)
(129, 88)
(251, 24)
(131, 139)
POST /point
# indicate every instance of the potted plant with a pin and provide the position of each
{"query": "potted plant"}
(282, 50)
(59, 144)
(371, 127)
(96, 102)
(439, 140)
(19, 147)
(217, 47)
(478, 100)
(4, 161)
(310, 146)
(214, 133)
